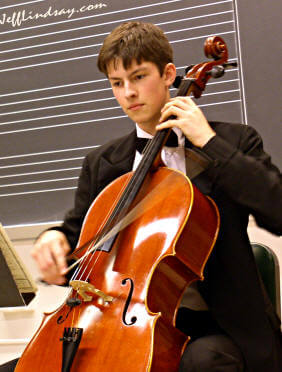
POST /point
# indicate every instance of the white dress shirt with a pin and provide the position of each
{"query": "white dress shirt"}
(173, 157)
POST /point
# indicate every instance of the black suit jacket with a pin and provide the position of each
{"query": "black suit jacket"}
(242, 181)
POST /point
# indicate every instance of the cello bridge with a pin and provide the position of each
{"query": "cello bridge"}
(82, 287)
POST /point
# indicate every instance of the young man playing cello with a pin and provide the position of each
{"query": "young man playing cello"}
(232, 325)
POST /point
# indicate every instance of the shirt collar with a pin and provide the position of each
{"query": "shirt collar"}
(142, 134)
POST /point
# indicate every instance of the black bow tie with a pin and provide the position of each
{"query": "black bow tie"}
(172, 141)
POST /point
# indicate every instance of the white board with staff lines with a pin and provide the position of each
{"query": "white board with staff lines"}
(55, 106)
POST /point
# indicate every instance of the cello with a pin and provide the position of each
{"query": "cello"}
(143, 241)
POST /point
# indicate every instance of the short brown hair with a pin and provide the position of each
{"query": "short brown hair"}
(135, 41)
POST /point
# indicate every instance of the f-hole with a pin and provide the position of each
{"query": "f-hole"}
(134, 318)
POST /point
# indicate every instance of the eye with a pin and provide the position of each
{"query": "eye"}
(116, 84)
(139, 77)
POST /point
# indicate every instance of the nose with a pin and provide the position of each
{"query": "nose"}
(129, 90)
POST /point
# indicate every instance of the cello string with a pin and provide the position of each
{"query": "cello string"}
(119, 210)
(98, 236)
(132, 215)
(118, 218)
(127, 189)
(121, 197)
(95, 239)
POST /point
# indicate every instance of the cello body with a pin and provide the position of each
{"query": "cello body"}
(152, 260)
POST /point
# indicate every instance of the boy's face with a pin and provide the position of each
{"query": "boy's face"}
(141, 91)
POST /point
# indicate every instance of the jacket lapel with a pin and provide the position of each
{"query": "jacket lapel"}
(117, 159)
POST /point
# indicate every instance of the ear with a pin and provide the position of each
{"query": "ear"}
(169, 73)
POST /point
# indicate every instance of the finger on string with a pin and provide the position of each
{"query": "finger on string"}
(180, 101)
(168, 124)
(173, 110)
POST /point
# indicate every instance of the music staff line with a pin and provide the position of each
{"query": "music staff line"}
(87, 112)
(41, 162)
(89, 36)
(181, 68)
(93, 101)
(81, 122)
(21, 4)
(37, 191)
(64, 124)
(54, 87)
(115, 12)
(39, 182)
(40, 172)
(100, 119)
(87, 92)
(226, 81)
(96, 54)
(46, 152)
(94, 45)
(106, 33)
(23, 193)
(48, 162)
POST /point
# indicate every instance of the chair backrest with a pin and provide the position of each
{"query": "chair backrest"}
(268, 266)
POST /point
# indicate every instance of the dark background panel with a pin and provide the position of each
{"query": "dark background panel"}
(259, 25)
(55, 106)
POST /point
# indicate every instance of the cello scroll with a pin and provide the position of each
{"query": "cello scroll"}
(198, 75)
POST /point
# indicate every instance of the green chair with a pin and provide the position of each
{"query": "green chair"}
(268, 266)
